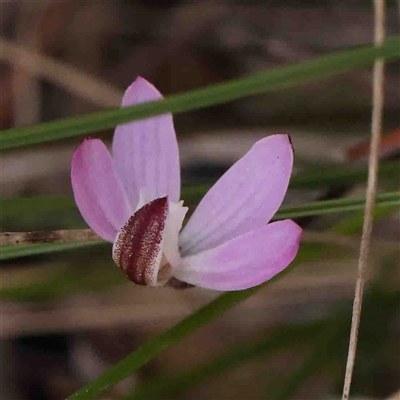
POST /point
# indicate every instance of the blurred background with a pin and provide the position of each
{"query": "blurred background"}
(67, 316)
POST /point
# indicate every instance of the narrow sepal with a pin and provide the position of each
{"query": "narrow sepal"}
(98, 191)
(146, 151)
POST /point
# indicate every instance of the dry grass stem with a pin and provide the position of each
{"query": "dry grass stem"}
(394, 396)
(127, 304)
(68, 77)
(26, 97)
(81, 235)
(376, 130)
(36, 237)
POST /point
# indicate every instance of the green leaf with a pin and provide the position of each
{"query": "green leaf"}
(269, 80)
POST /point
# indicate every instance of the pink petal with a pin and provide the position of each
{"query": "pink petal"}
(245, 198)
(243, 262)
(98, 192)
(138, 247)
(146, 151)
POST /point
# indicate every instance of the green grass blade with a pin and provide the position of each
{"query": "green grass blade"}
(353, 223)
(270, 80)
(322, 354)
(330, 345)
(25, 210)
(64, 280)
(270, 343)
(157, 345)
(9, 252)
(384, 200)
(390, 204)
(315, 178)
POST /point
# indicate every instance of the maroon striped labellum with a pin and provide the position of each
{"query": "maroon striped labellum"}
(139, 244)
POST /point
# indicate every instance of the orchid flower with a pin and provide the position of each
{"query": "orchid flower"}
(132, 199)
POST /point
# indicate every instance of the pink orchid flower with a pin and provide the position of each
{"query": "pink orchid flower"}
(132, 199)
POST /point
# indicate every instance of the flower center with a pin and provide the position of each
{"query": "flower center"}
(165, 271)
(171, 256)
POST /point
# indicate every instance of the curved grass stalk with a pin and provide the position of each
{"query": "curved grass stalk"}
(157, 345)
(269, 344)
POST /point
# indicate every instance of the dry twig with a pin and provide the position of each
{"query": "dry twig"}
(376, 129)
(394, 396)
(68, 77)
(126, 304)
(36, 237)
(82, 235)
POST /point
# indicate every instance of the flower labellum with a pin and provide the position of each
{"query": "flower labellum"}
(132, 199)
(137, 246)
